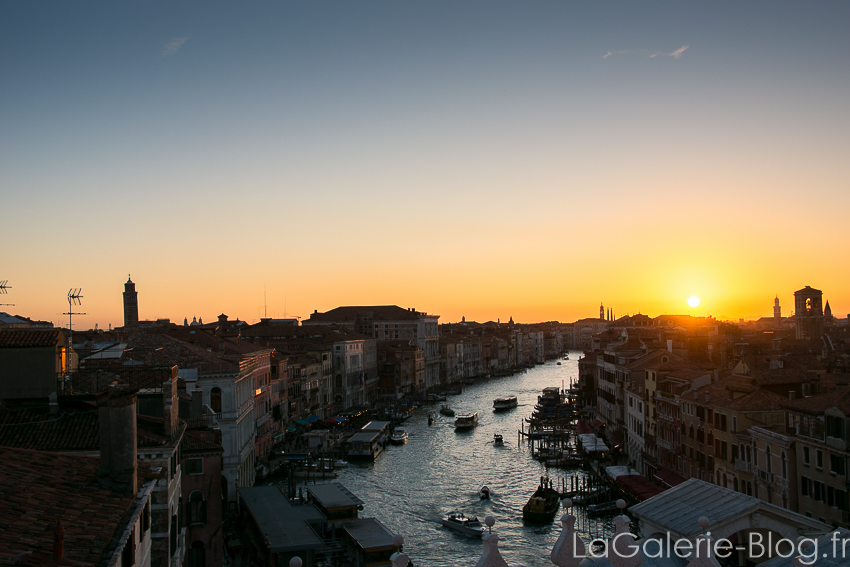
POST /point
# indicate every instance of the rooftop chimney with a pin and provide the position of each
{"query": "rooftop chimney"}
(117, 424)
(669, 345)
(170, 407)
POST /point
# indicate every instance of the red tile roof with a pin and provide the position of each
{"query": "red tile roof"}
(37, 489)
(376, 312)
(30, 338)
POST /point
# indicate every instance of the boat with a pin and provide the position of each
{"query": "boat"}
(484, 492)
(365, 445)
(446, 410)
(603, 508)
(504, 403)
(468, 526)
(430, 419)
(498, 441)
(543, 504)
(467, 421)
(399, 436)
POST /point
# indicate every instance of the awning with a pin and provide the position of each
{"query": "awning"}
(330, 421)
(301, 422)
(277, 435)
(290, 428)
(669, 478)
(312, 418)
(597, 424)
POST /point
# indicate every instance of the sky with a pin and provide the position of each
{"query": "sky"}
(478, 159)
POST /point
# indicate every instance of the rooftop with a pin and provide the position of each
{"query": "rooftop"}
(37, 489)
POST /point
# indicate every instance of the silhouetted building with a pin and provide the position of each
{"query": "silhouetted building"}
(131, 304)
(808, 312)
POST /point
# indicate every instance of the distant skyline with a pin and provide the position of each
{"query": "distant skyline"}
(480, 159)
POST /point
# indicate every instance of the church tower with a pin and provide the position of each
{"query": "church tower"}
(601, 311)
(808, 313)
(131, 304)
(777, 313)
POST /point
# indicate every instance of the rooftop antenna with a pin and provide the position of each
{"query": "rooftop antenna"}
(265, 305)
(74, 298)
(3, 287)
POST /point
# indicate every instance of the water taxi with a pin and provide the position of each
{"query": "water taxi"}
(543, 504)
(505, 403)
(467, 421)
(446, 410)
(399, 436)
(468, 526)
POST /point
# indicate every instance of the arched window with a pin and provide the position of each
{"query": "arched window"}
(735, 484)
(215, 399)
(197, 508)
(197, 554)
(691, 432)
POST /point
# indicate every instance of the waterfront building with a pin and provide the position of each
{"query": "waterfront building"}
(401, 367)
(820, 425)
(390, 322)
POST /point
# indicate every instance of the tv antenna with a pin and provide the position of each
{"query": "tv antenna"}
(3, 288)
(74, 298)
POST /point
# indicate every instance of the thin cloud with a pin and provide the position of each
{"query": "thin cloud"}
(173, 46)
(676, 54)
(610, 53)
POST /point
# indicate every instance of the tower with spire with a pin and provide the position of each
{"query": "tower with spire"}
(131, 304)
(777, 313)
(601, 311)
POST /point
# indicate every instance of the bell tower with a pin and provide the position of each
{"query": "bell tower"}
(808, 313)
(131, 304)
(777, 313)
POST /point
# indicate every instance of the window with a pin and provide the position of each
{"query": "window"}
(194, 466)
(819, 461)
(807, 457)
(197, 508)
(734, 424)
(836, 465)
(215, 399)
(834, 427)
(128, 554)
(146, 517)
(197, 554)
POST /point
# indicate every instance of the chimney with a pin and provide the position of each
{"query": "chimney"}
(669, 345)
(170, 407)
(196, 409)
(58, 541)
(116, 409)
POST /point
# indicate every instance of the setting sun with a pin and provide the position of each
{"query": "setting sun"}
(693, 301)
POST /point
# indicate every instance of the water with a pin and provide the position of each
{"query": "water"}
(410, 487)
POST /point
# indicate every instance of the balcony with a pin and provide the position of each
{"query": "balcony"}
(742, 466)
(664, 444)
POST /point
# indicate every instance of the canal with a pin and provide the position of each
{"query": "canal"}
(410, 487)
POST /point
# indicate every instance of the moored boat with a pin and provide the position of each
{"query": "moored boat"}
(603, 508)
(543, 504)
(469, 526)
(467, 421)
(446, 410)
(504, 403)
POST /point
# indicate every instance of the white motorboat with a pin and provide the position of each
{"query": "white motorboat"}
(468, 526)
(466, 421)
(399, 436)
(505, 403)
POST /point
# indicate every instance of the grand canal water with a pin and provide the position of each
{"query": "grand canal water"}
(410, 487)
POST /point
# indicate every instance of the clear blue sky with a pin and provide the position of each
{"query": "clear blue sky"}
(418, 152)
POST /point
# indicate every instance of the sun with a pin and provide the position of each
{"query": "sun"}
(693, 301)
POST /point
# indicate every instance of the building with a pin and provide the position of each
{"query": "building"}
(808, 313)
(31, 361)
(131, 305)
(390, 322)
